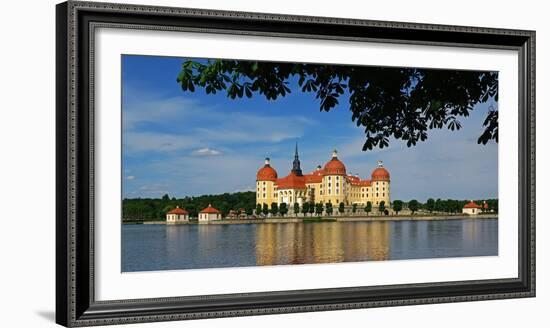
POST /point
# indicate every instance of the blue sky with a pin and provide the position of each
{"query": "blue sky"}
(187, 144)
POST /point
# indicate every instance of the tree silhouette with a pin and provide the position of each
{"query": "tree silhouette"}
(319, 208)
(305, 208)
(413, 205)
(382, 207)
(274, 208)
(397, 206)
(329, 209)
(312, 208)
(296, 209)
(430, 205)
(368, 208)
(258, 209)
(403, 103)
(283, 209)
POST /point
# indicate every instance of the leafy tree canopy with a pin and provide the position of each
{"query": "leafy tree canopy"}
(397, 205)
(382, 206)
(413, 205)
(403, 103)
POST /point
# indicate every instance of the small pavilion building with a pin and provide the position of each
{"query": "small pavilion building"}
(209, 214)
(472, 208)
(177, 215)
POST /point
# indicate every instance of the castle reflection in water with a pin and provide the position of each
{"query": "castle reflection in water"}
(321, 243)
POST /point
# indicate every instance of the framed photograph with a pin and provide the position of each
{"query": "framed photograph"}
(215, 164)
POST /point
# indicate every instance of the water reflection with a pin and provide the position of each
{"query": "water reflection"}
(158, 247)
(321, 243)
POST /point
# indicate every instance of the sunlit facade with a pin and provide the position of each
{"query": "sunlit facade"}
(328, 184)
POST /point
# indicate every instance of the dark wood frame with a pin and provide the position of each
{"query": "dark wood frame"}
(75, 303)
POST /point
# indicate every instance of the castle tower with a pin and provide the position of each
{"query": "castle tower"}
(380, 186)
(265, 184)
(296, 163)
(333, 186)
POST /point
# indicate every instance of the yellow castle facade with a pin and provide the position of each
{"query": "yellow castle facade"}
(328, 184)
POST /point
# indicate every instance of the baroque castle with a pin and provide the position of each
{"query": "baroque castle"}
(328, 184)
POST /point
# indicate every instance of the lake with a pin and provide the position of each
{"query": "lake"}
(162, 247)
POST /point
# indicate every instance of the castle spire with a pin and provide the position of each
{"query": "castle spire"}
(296, 164)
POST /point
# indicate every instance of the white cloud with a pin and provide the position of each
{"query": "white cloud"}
(206, 152)
(130, 177)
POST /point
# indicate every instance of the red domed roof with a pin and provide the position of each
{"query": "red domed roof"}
(472, 204)
(380, 174)
(266, 173)
(178, 210)
(210, 209)
(334, 166)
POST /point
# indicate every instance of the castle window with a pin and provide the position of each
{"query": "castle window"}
(376, 196)
(264, 195)
(337, 184)
(383, 195)
(264, 183)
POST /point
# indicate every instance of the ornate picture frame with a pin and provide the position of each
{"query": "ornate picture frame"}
(77, 22)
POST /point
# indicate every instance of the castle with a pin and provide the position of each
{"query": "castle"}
(328, 184)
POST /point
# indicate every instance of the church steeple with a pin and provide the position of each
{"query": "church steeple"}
(296, 164)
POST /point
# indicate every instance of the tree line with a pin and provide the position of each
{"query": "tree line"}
(449, 206)
(145, 209)
(312, 208)
(150, 209)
